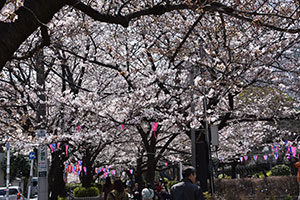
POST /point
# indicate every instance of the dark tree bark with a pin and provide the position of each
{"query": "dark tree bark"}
(32, 15)
(56, 174)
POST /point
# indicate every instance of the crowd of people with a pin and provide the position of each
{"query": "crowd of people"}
(184, 190)
(130, 190)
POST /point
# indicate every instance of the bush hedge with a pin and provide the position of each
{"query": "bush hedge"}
(280, 170)
(86, 192)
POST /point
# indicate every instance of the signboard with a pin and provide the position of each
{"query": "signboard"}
(43, 174)
(31, 155)
(42, 159)
(41, 133)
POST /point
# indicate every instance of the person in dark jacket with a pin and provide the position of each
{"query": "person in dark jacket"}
(187, 189)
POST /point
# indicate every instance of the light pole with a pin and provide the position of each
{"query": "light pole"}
(41, 119)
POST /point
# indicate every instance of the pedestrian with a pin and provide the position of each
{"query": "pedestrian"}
(136, 191)
(147, 193)
(118, 193)
(187, 189)
(107, 187)
(297, 165)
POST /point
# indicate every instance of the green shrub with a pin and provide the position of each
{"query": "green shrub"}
(288, 197)
(98, 185)
(86, 192)
(280, 170)
(61, 198)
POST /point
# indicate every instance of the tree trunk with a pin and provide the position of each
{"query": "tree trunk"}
(151, 167)
(56, 180)
(87, 178)
(12, 35)
(138, 171)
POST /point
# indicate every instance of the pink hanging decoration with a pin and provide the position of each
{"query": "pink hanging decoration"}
(245, 158)
(155, 135)
(155, 125)
(96, 170)
(166, 164)
(105, 175)
(122, 127)
(78, 128)
(51, 147)
(58, 144)
(131, 171)
(255, 157)
(113, 172)
(241, 159)
(84, 169)
(294, 150)
(67, 146)
(276, 156)
(265, 157)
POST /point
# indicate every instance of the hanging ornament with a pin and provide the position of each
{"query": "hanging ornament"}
(78, 128)
(255, 157)
(122, 127)
(67, 146)
(265, 157)
(51, 147)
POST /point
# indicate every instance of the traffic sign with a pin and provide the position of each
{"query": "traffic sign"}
(41, 133)
(31, 155)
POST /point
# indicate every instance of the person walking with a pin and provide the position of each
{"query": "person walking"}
(118, 193)
(297, 165)
(147, 193)
(107, 188)
(187, 189)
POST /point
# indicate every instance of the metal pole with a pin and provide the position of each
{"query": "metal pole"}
(41, 119)
(7, 169)
(180, 171)
(30, 179)
(193, 136)
(210, 167)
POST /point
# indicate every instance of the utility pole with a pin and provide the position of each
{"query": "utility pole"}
(7, 168)
(41, 132)
(193, 135)
(210, 166)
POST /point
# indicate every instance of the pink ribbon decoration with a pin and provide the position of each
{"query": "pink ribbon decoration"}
(294, 150)
(245, 158)
(96, 170)
(78, 128)
(58, 144)
(255, 157)
(155, 135)
(122, 127)
(51, 147)
(166, 164)
(241, 159)
(105, 175)
(84, 169)
(131, 171)
(79, 162)
(276, 156)
(67, 146)
(155, 125)
(265, 157)
(66, 166)
(113, 172)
